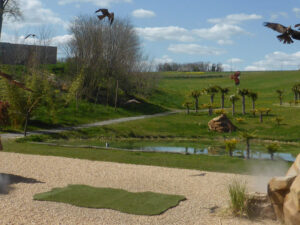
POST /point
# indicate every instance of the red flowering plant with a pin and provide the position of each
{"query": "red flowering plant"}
(236, 77)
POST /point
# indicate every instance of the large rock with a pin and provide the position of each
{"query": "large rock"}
(284, 193)
(278, 188)
(295, 168)
(221, 124)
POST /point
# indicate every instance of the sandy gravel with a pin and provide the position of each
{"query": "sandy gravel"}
(202, 192)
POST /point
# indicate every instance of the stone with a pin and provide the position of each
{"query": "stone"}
(221, 124)
(278, 188)
(295, 193)
(259, 206)
(291, 214)
(295, 168)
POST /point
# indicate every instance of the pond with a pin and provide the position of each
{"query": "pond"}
(215, 151)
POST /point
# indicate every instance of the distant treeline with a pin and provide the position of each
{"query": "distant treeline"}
(190, 67)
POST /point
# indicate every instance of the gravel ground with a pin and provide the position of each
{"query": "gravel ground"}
(202, 192)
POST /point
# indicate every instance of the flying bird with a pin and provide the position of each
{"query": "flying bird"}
(236, 77)
(287, 33)
(14, 82)
(32, 35)
(107, 14)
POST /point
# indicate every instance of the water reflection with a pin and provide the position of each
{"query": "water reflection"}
(212, 150)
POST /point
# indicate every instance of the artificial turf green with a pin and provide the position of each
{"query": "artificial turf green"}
(140, 203)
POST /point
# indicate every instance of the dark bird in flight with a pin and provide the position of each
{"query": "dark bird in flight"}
(32, 35)
(107, 14)
(287, 33)
(236, 77)
(14, 82)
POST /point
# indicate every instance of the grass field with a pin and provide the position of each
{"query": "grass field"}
(224, 164)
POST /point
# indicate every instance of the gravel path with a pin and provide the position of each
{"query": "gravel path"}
(202, 192)
(96, 124)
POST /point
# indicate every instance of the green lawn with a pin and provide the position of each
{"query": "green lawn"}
(223, 164)
(142, 203)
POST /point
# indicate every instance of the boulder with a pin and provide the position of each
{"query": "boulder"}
(278, 188)
(221, 124)
(284, 194)
(295, 168)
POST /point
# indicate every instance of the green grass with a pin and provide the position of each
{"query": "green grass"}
(142, 203)
(223, 164)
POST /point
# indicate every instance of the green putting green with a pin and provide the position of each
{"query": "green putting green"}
(142, 203)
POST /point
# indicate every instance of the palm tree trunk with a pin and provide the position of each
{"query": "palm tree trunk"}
(188, 110)
(253, 105)
(280, 98)
(272, 155)
(261, 117)
(196, 104)
(222, 103)
(243, 103)
(212, 99)
(26, 123)
(233, 108)
(248, 148)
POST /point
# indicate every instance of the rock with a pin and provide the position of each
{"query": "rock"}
(291, 214)
(295, 168)
(221, 124)
(278, 188)
(259, 206)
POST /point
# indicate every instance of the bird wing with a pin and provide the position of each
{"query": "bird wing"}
(276, 26)
(104, 11)
(27, 36)
(285, 38)
(111, 17)
(295, 34)
(297, 25)
(101, 17)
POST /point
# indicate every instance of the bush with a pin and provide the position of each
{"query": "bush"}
(238, 197)
(4, 116)
(239, 119)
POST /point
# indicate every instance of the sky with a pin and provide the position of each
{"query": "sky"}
(230, 32)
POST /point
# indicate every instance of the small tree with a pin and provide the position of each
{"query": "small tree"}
(223, 91)
(196, 94)
(272, 148)
(243, 92)
(187, 105)
(268, 110)
(208, 106)
(233, 99)
(278, 120)
(230, 145)
(261, 112)
(247, 137)
(212, 91)
(253, 96)
(280, 95)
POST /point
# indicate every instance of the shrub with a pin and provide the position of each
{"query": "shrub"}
(278, 120)
(230, 145)
(239, 119)
(238, 197)
(4, 116)
(220, 111)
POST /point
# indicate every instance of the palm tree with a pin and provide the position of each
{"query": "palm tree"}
(261, 111)
(272, 148)
(247, 137)
(280, 95)
(230, 145)
(243, 92)
(224, 91)
(187, 105)
(253, 96)
(233, 99)
(196, 94)
(212, 90)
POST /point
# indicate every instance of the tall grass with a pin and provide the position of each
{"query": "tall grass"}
(238, 198)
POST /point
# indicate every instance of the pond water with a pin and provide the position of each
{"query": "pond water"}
(255, 154)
